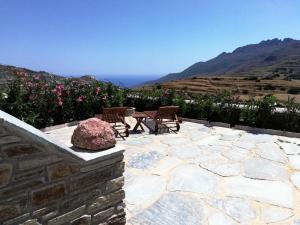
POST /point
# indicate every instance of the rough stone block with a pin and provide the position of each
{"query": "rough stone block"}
(120, 207)
(29, 174)
(119, 170)
(61, 170)
(89, 179)
(8, 140)
(42, 211)
(106, 201)
(5, 173)
(68, 216)
(39, 161)
(73, 203)
(94, 194)
(114, 185)
(49, 216)
(20, 187)
(17, 150)
(102, 216)
(3, 131)
(118, 219)
(84, 220)
(48, 194)
(17, 220)
(9, 211)
(31, 222)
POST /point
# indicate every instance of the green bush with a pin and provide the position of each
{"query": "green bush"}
(42, 103)
(294, 91)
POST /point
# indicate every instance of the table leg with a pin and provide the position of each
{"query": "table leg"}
(138, 124)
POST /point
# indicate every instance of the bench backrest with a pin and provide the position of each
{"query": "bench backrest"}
(114, 114)
(168, 112)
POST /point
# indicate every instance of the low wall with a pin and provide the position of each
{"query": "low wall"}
(246, 128)
(42, 183)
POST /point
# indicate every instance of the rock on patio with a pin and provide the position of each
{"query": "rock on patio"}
(210, 175)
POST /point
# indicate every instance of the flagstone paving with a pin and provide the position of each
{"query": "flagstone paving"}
(212, 175)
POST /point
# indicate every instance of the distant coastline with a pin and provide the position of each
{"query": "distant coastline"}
(127, 80)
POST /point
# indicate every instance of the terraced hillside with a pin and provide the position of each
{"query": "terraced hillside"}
(240, 86)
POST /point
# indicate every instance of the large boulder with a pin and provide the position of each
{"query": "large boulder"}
(93, 134)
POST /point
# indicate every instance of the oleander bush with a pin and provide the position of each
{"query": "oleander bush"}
(43, 103)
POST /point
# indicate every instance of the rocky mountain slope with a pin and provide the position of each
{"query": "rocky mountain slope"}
(8, 74)
(267, 58)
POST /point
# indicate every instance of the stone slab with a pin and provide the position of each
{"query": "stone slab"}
(258, 168)
(272, 192)
(190, 178)
(173, 208)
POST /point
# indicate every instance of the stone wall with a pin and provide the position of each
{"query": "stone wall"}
(41, 184)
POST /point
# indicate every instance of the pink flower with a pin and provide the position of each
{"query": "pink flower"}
(59, 89)
(59, 102)
(21, 74)
(98, 90)
(80, 98)
(37, 78)
(29, 84)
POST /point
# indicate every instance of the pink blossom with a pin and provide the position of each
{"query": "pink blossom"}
(29, 84)
(37, 77)
(59, 102)
(98, 90)
(80, 98)
(59, 89)
(22, 74)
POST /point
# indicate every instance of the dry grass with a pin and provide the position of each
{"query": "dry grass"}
(238, 85)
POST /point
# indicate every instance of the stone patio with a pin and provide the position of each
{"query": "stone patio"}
(210, 175)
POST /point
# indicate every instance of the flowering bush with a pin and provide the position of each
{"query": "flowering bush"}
(43, 102)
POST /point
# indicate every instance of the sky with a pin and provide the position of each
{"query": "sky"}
(135, 37)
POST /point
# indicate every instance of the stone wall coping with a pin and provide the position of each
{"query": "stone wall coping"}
(246, 128)
(12, 122)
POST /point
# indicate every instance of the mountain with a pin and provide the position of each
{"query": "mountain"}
(268, 58)
(8, 74)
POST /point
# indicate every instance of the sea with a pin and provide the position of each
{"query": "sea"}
(127, 81)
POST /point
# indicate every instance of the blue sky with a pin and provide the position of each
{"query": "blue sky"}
(138, 37)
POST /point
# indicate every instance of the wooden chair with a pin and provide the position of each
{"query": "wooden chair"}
(165, 117)
(116, 117)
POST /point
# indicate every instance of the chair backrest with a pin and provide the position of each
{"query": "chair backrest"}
(168, 112)
(114, 114)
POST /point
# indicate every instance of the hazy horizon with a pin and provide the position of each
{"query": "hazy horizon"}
(135, 37)
(125, 80)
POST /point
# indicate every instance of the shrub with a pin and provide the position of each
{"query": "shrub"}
(269, 87)
(294, 91)
(245, 91)
(251, 78)
(282, 89)
(41, 103)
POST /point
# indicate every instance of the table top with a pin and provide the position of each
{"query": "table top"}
(139, 115)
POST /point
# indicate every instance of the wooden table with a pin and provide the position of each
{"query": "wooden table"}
(139, 116)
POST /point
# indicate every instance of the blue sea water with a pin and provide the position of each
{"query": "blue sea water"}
(127, 80)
